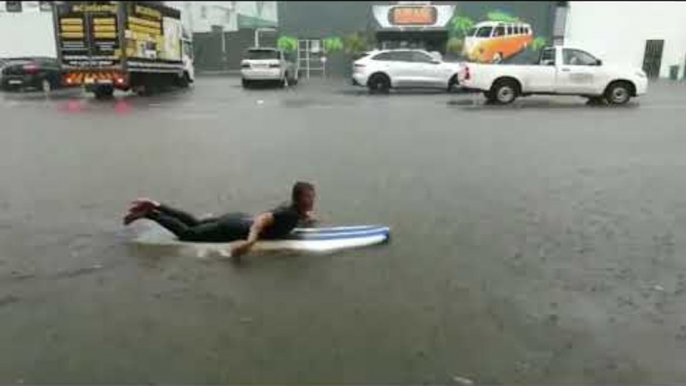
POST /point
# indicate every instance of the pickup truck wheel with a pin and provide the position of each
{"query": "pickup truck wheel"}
(618, 93)
(379, 83)
(505, 91)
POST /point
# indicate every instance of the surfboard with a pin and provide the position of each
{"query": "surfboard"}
(307, 240)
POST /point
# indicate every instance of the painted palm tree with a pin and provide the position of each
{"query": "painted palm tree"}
(502, 16)
(460, 25)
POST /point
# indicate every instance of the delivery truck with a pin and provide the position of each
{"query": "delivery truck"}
(141, 46)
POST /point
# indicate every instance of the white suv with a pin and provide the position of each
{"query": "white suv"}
(386, 69)
(267, 64)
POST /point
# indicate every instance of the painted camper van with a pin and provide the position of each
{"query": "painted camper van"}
(493, 41)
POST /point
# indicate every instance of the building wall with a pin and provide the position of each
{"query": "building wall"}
(303, 19)
(617, 31)
(26, 33)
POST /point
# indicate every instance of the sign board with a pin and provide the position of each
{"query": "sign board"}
(413, 15)
(403, 16)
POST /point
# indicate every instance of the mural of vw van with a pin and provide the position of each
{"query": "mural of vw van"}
(494, 41)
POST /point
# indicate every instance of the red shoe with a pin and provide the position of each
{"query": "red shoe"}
(143, 204)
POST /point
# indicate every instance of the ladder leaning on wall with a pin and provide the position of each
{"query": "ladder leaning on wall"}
(310, 54)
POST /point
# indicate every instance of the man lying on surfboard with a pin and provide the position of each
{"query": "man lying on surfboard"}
(230, 227)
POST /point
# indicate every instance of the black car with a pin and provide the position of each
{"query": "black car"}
(30, 73)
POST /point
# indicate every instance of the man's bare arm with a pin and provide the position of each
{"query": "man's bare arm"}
(260, 223)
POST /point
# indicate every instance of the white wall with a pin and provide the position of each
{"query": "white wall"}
(200, 16)
(617, 31)
(29, 33)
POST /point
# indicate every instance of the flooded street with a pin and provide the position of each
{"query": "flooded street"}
(541, 242)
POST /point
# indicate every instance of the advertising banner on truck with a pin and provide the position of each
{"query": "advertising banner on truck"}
(88, 35)
(152, 35)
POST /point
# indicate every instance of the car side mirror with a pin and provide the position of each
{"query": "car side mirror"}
(599, 62)
(436, 61)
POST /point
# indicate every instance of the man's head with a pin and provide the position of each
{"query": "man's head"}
(303, 196)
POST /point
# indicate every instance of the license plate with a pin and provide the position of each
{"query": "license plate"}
(14, 82)
(261, 65)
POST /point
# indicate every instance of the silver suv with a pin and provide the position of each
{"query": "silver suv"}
(268, 64)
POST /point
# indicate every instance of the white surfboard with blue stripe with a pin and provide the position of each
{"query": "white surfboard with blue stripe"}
(301, 239)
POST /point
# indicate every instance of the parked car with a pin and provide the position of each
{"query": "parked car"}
(385, 69)
(268, 65)
(31, 73)
(560, 71)
(492, 41)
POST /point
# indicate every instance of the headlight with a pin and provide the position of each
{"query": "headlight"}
(274, 65)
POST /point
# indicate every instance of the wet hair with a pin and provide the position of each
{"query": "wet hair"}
(299, 188)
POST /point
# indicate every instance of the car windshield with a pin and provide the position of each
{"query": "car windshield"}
(484, 32)
(262, 54)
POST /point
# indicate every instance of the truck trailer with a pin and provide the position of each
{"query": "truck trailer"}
(140, 46)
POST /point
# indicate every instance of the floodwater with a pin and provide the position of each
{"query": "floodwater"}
(536, 243)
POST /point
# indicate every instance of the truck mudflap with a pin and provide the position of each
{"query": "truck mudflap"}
(117, 79)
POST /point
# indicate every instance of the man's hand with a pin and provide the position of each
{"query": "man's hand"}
(310, 218)
(260, 223)
(241, 249)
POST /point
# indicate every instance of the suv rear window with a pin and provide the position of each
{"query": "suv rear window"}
(262, 54)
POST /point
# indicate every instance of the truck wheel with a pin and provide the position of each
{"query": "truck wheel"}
(245, 83)
(103, 92)
(505, 91)
(185, 80)
(618, 93)
(490, 97)
(379, 83)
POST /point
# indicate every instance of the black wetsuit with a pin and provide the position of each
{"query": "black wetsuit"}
(226, 228)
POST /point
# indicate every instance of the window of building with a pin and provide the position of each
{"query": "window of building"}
(13, 6)
(484, 32)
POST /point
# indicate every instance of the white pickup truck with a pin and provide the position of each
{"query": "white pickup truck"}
(560, 71)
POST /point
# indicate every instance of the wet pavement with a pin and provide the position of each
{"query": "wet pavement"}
(541, 242)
